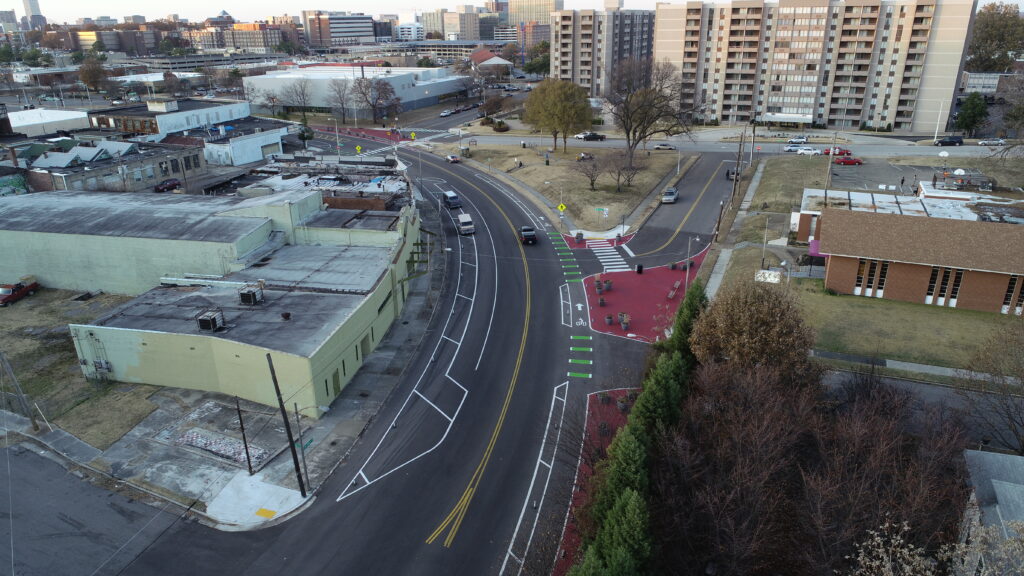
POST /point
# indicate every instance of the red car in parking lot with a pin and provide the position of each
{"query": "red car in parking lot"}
(848, 161)
(837, 151)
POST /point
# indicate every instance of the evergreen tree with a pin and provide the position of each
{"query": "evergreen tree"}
(624, 468)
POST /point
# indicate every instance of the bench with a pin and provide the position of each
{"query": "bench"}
(675, 288)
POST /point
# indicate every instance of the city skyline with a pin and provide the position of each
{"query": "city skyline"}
(196, 10)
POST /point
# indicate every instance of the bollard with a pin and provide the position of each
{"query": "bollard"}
(639, 268)
(522, 143)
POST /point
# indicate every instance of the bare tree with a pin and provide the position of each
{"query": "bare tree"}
(623, 170)
(339, 96)
(992, 389)
(377, 95)
(267, 99)
(646, 100)
(590, 169)
(298, 94)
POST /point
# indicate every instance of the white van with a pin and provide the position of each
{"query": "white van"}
(466, 224)
(451, 200)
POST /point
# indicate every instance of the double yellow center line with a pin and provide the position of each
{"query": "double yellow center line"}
(454, 519)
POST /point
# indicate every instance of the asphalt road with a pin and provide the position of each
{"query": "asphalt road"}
(64, 525)
(440, 483)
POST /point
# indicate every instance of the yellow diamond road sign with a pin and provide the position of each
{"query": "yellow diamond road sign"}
(359, 149)
(561, 207)
(412, 135)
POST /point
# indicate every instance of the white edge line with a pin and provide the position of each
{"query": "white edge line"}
(526, 501)
(401, 410)
(628, 251)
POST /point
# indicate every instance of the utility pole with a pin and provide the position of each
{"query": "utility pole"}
(287, 427)
(736, 175)
(17, 390)
(302, 445)
(828, 163)
(753, 133)
(245, 443)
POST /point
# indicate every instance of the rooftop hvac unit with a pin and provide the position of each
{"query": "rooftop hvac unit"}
(251, 295)
(211, 320)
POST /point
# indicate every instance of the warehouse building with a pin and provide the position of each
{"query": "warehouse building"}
(222, 281)
(415, 87)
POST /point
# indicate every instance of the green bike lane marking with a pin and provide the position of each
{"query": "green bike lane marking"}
(580, 349)
(581, 337)
(578, 361)
(579, 375)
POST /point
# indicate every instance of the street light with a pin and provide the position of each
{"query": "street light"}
(686, 279)
(302, 445)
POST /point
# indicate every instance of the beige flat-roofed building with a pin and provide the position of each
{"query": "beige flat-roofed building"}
(849, 64)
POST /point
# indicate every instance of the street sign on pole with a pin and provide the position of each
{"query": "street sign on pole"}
(412, 135)
(359, 149)
(562, 207)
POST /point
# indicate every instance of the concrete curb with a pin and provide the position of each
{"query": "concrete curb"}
(535, 198)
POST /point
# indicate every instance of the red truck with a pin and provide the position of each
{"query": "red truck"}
(11, 293)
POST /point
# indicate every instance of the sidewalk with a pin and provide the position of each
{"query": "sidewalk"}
(208, 479)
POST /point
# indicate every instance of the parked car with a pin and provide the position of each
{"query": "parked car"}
(445, 113)
(527, 235)
(950, 141)
(730, 174)
(808, 151)
(664, 147)
(792, 148)
(480, 114)
(670, 195)
(797, 140)
(11, 293)
(992, 142)
(847, 161)
(452, 159)
(169, 184)
(116, 102)
(837, 151)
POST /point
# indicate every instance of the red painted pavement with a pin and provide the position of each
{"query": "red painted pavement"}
(592, 441)
(379, 134)
(644, 297)
(574, 245)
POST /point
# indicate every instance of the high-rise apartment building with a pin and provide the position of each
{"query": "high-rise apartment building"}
(522, 11)
(461, 26)
(532, 33)
(844, 64)
(135, 19)
(433, 23)
(326, 29)
(586, 44)
(506, 33)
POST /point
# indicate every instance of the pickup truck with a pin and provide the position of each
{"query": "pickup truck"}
(11, 293)
(527, 235)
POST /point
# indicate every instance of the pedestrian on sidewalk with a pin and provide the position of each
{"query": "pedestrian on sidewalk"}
(902, 180)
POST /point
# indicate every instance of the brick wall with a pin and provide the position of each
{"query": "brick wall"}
(356, 203)
(907, 282)
(984, 291)
(841, 274)
(803, 228)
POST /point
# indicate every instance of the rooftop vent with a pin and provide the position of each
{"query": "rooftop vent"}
(251, 295)
(211, 320)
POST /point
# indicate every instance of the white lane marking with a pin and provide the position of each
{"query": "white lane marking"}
(565, 304)
(434, 406)
(463, 296)
(426, 368)
(628, 251)
(555, 399)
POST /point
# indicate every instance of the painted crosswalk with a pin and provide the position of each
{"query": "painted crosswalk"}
(609, 255)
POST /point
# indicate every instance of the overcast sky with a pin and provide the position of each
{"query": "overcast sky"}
(249, 10)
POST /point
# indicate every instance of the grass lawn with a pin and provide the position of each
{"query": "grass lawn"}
(560, 183)
(877, 327)
(105, 418)
(784, 179)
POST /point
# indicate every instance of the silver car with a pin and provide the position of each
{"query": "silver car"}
(670, 196)
(992, 142)
(808, 151)
(792, 148)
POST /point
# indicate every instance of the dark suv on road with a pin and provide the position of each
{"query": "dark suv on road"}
(950, 141)
(527, 235)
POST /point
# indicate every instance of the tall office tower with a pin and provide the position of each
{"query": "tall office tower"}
(433, 23)
(33, 17)
(522, 11)
(325, 29)
(842, 64)
(461, 26)
(586, 44)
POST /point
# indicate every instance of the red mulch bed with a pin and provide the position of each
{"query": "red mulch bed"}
(644, 297)
(594, 439)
